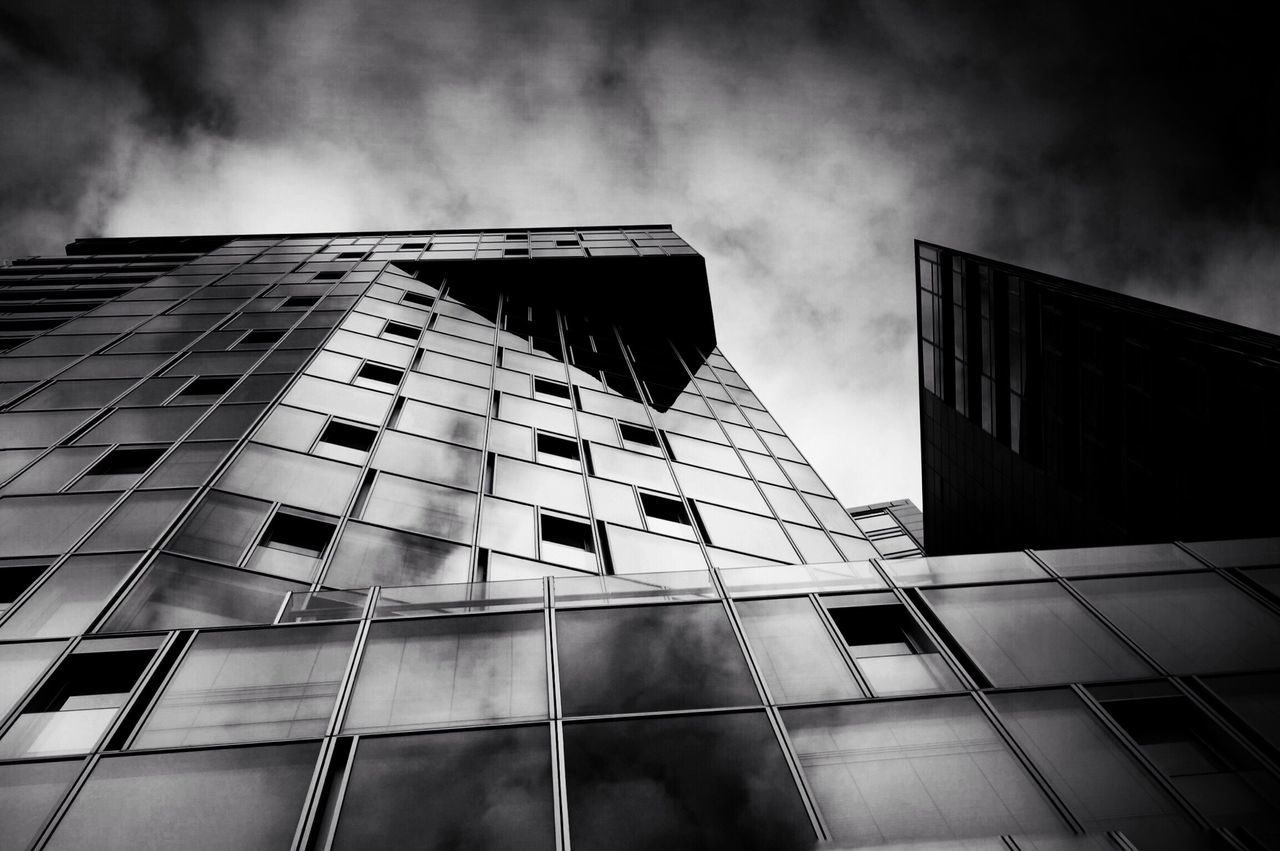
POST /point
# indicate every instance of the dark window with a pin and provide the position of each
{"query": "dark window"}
(294, 533)
(259, 339)
(331, 275)
(351, 255)
(211, 386)
(567, 243)
(550, 388)
(516, 237)
(560, 446)
(399, 329)
(348, 436)
(893, 653)
(126, 461)
(411, 246)
(298, 302)
(664, 508)
(638, 434)
(418, 299)
(15, 580)
(566, 532)
(515, 252)
(381, 374)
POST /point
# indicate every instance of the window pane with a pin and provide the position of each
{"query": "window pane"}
(444, 671)
(422, 507)
(69, 599)
(49, 525)
(541, 485)
(343, 400)
(1092, 561)
(942, 570)
(477, 789)
(28, 793)
(737, 530)
(1246, 552)
(138, 521)
(914, 770)
(698, 781)
(143, 425)
(20, 666)
(231, 798)
(1033, 633)
(439, 423)
(794, 652)
(54, 470)
(643, 658)
(189, 465)
(1097, 779)
(1191, 623)
(177, 593)
(370, 555)
(634, 551)
(428, 459)
(222, 527)
(252, 684)
(300, 480)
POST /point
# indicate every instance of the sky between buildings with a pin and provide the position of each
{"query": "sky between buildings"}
(800, 147)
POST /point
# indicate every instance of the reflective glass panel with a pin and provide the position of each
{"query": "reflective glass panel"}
(1092, 561)
(69, 599)
(794, 652)
(370, 555)
(28, 793)
(945, 570)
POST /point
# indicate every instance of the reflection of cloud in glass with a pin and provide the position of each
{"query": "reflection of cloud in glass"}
(476, 789)
(702, 781)
(642, 658)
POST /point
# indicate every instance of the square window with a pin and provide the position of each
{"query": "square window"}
(418, 299)
(399, 329)
(299, 302)
(126, 461)
(298, 534)
(259, 339)
(378, 374)
(210, 386)
(568, 542)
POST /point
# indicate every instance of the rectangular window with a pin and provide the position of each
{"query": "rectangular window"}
(291, 545)
(345, 442)
(120, 468)
(639, 438)
(558, 452)
(547, 390)
(568, 542)
(206, 388)
(891, 650)
(667, 515)
(794, 651)
(378, 377)
(418, 299)
(401, 331)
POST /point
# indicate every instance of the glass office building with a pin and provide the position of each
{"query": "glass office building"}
(476, 540)
(1056, 414)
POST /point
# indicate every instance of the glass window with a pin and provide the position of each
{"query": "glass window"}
(53, 471)
(222, 527)
(447, 671)
(421, 507)
(531, 412)
(1093, 561)
(944, 570)
(453, 394)
(509, 527)
(28, 793)
(1032, 633)
(722, 489)
(695, 781)
(891, 650)
(69, 599)
(227, 422)
(64, 395)
(1249, 552)
(794, 652)
(292, 544)
(138, 521)
(1191, 623)
(423, 420)
(49, 525)
(20, 666)
(537, 484)
(178, 593)
(190, 464)
(464, 789)
(120, 468)
(737, 530)
(343, 400)
(291, 428)
(251, 684)
(370, 555)
(915, 770)
(432, 460)
(703, 454)
(143, 425)
(1102, 785)
(631, 467)
(648, 658)
(300, 480)
(196, 800)
(458, 369)
(633, 551)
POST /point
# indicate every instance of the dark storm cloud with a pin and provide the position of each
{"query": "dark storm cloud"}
(801, 147)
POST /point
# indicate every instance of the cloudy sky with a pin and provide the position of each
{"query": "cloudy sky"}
(799, 146)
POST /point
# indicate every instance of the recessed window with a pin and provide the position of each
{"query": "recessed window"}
(550, 391)
(15, 580)
(211, 386)
(345, 442)
(412, 246)
(568, 542)
(299, 302)
(399, 329)
(331, 275)
(515, 252)
(351, 255)
(260, 339)
(640, 435)
(567, 243)
(894, 655)
(123, 461)
(664, 508)
(517, 237)
(379, 375)
(295, 533)
(418, 299)
(560, 446)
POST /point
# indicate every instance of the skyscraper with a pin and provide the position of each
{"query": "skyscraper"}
(1055, 414)
(476, 540)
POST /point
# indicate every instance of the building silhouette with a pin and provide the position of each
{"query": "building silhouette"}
(1055, 414)
(474, 539)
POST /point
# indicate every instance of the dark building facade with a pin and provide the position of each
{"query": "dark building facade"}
(475, 539)
(1055, 414)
